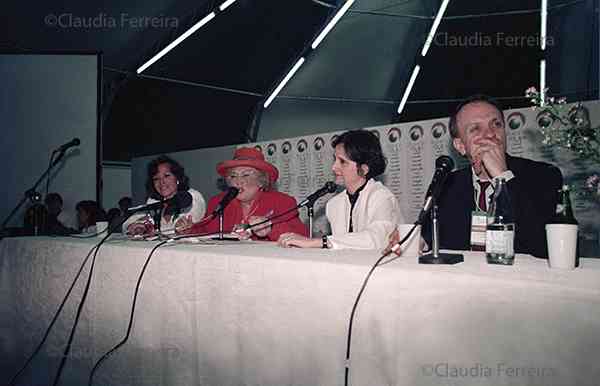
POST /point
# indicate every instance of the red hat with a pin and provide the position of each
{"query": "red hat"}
(252, 157)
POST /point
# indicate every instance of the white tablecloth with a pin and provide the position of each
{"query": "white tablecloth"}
(255, 314)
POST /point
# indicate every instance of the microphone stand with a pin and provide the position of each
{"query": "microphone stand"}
(30, 193)
(221, 237)
(310, 209)
(157, 220)
(435, 257)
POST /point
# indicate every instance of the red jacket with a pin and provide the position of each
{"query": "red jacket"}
(269, 204)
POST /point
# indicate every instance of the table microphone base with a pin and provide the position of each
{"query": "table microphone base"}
(221, 238)
(441, 258)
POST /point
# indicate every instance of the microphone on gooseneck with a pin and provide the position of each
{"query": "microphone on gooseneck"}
(179, 201)
(329, 187)
(232, 192)
(443, 166)
(73, 142)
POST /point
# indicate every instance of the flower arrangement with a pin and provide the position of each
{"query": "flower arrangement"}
(568, 126)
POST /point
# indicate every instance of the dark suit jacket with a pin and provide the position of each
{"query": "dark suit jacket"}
(534, 194)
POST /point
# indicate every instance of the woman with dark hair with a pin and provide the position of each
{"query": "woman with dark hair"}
(165, 178)
(255, 202)
(366, 212)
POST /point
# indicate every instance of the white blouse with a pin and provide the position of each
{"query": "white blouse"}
(374, 217)
(196, 210)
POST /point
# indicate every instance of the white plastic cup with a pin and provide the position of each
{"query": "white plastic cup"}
(562, 245)
(101, 227)
(411, 247)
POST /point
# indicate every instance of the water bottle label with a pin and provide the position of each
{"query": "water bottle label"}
(499, 241)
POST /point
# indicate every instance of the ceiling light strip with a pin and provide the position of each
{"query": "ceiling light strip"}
(176, 42)
(331, 24)
(411, 82)
(434, 27)
(543, 33)
(226, 4)
(542, 81)
(543, 24)
(284, 81)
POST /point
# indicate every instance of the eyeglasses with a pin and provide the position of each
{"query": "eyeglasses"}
(243, 177)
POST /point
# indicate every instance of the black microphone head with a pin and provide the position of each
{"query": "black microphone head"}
(75, 141)
(331, 187)
(444, 162)
(232, 191)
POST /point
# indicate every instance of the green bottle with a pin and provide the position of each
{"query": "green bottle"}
(564, 214)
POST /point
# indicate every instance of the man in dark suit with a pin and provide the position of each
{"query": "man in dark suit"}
(478, 133)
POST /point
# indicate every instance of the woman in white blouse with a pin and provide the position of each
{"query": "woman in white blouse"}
(366, 212)
(166, 177)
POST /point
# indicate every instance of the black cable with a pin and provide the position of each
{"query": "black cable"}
(362, 288)
(54, 319)
(48, 179)
(67, 349)
(131, 315)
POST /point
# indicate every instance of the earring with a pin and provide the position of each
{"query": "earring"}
(177, 182)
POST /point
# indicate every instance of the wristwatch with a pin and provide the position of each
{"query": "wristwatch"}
(325, 244)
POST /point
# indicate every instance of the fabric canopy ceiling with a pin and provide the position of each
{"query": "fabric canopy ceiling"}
(209, 90)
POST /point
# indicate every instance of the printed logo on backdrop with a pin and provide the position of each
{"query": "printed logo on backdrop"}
(393, 150)
(286, 147)
(515, 122)
(301, 167)
(544, 119)
(439, 139)
(301, 146)
(333, 139)
(438, 130)
(416, 135)
(285, 180)
(394, 135)
(318, 144)
(257, 147)
(415, 164)
(271, 149)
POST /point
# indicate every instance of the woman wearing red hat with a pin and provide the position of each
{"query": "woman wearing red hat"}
(255, 202)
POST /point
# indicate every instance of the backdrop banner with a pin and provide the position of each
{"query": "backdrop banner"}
(411, 148)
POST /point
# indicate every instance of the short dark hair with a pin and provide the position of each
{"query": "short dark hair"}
(125, 201)
(92, 209)
(177, 170)
(364, 148)
(472, 99)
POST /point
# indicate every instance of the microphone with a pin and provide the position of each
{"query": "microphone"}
(443, 166)
(329, 187)
(73, 142)
(180, 200)
(230, 195)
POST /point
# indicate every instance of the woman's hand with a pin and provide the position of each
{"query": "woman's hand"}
(393, 239)
(260, 230)
(183, 224)
(143, 226)
(242, 231)
(289, 239)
